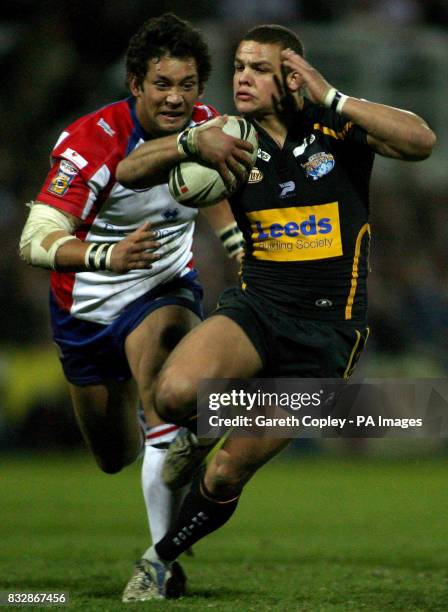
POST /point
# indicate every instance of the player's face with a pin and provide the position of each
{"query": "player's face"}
(165, 99)
(254, 87)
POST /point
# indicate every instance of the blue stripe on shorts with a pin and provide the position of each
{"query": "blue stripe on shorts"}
(92, 353)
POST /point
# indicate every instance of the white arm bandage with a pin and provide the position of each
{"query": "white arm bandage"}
(42, 221)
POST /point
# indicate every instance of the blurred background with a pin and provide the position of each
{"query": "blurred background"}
(61, 60)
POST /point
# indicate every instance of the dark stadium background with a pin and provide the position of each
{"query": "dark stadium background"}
(333, 525)
(60, 60)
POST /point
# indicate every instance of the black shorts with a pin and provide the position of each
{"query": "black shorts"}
(291, 346)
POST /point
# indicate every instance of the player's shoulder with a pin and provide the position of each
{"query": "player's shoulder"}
(97, 136)
(203, 112)
(108, 120)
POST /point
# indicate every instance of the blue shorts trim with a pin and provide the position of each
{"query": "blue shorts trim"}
(92, 353)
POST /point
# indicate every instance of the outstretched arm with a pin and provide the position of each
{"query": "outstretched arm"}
(150, 163)
(391, 132)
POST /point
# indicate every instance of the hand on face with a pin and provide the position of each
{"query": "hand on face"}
(307, 76)
(263, 83)
(283, 100)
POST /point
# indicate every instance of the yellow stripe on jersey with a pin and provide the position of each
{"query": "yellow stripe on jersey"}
(329, 132)
(351, 296)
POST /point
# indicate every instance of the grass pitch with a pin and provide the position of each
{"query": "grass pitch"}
(310, 534)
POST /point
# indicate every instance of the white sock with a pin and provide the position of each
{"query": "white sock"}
(150, 554)
(162, 504)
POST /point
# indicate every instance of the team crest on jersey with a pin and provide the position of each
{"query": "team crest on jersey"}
(61, 181)
(255, 176)
(318, 165)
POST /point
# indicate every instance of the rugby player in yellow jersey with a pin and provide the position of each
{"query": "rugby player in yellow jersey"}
(301, 308)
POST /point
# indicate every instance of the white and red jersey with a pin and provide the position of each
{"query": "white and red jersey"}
(82, 182)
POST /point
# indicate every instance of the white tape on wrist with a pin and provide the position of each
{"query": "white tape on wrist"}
(98, 256)
(340, 105)
(232, 239)
(335, 100)
(182, 144)
(331, 93)
(109, 257)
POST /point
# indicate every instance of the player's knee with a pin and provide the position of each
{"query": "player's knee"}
(175, 396)
(112, 464)
(225, 477)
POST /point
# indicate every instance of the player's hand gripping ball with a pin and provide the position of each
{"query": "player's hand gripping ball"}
(195, 184)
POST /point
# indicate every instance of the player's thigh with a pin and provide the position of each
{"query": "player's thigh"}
(218, 348)
(148, 345)
(107, 417)
(239, 458)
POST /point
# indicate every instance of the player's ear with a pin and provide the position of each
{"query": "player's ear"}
(293, 81)
(134, 87)
(201, 90)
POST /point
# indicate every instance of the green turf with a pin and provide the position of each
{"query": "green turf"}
(311, 534)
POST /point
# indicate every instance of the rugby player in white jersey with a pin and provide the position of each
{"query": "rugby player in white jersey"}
(123, 286)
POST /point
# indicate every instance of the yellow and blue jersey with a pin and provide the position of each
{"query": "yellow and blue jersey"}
(304, 214)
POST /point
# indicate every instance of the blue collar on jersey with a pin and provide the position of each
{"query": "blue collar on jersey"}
(138, 132)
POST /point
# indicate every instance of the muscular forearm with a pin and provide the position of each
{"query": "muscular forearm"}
(136, 251)
(70, 257)
(149, 164)
(218, 216)
(391, 131)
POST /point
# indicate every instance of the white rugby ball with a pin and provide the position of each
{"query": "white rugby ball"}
(197, 185)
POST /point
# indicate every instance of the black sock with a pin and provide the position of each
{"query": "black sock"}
(199, 515)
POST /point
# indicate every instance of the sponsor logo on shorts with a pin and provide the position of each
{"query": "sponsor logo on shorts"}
(298, 233)
(323, 303)
(318, 165)
(255, 176)
(62, 179)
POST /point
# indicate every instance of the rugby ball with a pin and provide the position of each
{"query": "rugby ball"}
(198, 185)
